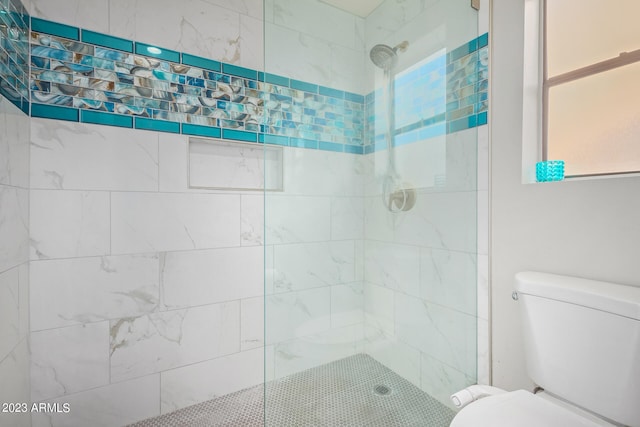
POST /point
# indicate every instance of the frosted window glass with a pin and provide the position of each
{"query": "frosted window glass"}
(583, 32)
(594, 123)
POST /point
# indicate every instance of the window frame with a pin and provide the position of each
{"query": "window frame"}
(623, 59)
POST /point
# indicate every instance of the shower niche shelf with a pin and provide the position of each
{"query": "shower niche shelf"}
(223, 165)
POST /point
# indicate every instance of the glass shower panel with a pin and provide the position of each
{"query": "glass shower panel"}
(370, 248)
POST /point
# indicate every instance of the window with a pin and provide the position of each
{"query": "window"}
(590, 85)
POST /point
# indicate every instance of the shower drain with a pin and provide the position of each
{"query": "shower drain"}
(382, 390)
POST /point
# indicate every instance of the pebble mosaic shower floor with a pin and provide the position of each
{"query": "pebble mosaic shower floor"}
(341, 393)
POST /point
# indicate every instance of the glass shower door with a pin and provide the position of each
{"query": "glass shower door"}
(370, 248)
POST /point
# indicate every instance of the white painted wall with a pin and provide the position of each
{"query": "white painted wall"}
(584, 228)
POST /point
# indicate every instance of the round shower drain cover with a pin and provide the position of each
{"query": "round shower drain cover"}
(382, 390)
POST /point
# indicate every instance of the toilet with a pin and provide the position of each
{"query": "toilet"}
(582, 342)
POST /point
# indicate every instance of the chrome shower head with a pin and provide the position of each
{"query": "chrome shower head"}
(384, 56)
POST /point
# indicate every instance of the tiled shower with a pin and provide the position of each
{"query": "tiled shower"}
(128, 289)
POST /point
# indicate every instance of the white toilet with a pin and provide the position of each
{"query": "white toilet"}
(582, 342)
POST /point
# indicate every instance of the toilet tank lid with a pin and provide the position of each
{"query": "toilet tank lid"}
(618, 299)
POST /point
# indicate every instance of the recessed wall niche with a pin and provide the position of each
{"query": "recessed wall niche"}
(225, 165)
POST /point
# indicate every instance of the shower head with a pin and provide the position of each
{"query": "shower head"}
(384, 56)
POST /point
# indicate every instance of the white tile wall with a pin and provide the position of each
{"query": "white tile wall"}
(171, 339)
(297, 314)
(73, 291)
(75, 156)
(114, 405)
(69, 360)
(313, 265)
(67, 224)
(14, 377)
(207, 380)
(14, 256)
(192, 278)
(187, 221)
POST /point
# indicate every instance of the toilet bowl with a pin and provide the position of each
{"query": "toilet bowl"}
(524, 409)
(582, 346)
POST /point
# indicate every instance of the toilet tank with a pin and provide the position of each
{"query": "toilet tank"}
(582, 342)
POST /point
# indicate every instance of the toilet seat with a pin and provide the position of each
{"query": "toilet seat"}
(522, 409)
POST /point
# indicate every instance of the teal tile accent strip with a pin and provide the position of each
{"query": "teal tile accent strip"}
(331, 146)
(303, 143)
(354, 149)
(239, 135)
(157, 52)
(335, 93)
(105, 40)
(482, 118)
(199, 130)
(483, 40)
(240, 71)
(54, 112)
(196, 61)
(274, 79)
(273, 139)
(53, 28)
(354, 97)
(157, 125)
(307, 87)
(101, 118)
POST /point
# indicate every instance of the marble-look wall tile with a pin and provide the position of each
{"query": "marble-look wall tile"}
(393, 266)
(74, 156)
(295, 219)
(173, 173)
(297, 314)
(310, 17)
(89, 14)
(347, 68)
(483, 157)
(440, 332)
(252, 220)
(251, 323)
(253, 8)
(305, 353)
(14, 227)
(197, 27)
(14, 145)
(297, 55)
(14, 377)
(462, 160)
(401, 358)
(146, 222)
(448, 278)
(379, 308)
(251, 42)
(171, 339)
(69, 360)
(192, 278)
(208, 380)
(347, 218)
(66, 224)
(442, 221)
(114, 405)
(74, 291)
(323, 173)
(312, 265)
(347, 304)
(440, 380)
(9, 310)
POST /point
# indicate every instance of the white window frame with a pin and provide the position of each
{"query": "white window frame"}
(536, 86)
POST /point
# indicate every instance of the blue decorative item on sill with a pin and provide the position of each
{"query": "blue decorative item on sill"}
(551, 170)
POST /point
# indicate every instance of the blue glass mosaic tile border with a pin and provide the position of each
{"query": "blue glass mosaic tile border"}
(14, 53)
(85, 76)
(446, 94)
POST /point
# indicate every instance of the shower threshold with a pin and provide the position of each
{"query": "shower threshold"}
(356, 391)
